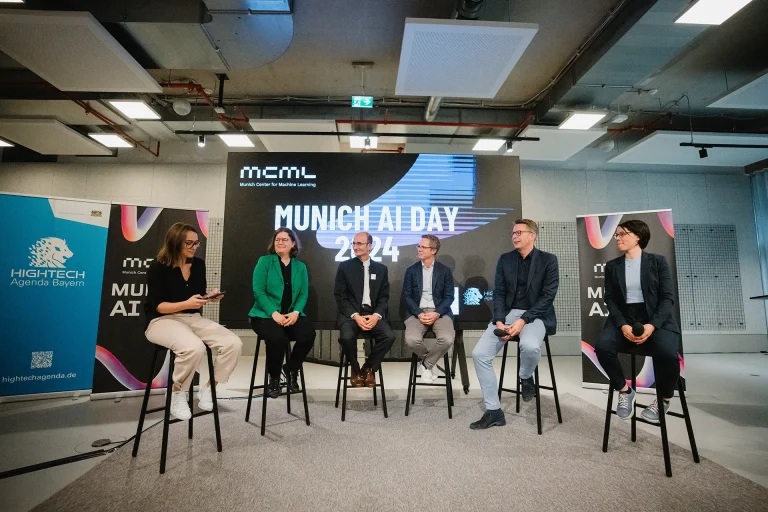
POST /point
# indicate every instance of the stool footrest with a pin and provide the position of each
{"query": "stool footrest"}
(642, 420)
(509, 390)
(156, 409)
(195, 415)
(428, 384)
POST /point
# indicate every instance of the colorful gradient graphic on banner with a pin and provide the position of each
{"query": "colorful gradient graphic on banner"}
(52, 263)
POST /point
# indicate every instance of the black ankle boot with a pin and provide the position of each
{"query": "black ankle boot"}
(291, 379)
(273, 389)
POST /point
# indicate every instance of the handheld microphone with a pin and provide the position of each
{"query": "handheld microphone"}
(637, 329)
(500, 333)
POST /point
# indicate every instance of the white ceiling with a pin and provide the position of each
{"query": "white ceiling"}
(555, 144)
(49, 137)
(292, 143)
(459, 58)
(753, 95)
(663, 148)
(72, 51)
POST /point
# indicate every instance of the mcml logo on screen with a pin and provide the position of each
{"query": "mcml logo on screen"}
(274, 176)
(48, 258)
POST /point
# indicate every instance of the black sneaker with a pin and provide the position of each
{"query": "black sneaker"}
(489, 419)
(273, 388)
(529, 389)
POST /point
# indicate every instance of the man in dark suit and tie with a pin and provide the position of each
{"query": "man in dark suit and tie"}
(524, 290)
(428, 295)
(362, 296)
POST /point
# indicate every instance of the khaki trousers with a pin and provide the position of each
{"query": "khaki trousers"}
(444, 334)
(187, 334)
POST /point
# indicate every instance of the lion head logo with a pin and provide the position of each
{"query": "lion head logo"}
(472, 297)
(49, 252)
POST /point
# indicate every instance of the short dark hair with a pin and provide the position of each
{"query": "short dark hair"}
(296, 248)
(434, 242)
(638, 228)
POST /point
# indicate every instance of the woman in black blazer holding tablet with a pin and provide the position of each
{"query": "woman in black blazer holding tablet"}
(639, 294)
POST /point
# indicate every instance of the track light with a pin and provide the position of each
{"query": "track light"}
(201, 141)
(703, 153)
(367, 143)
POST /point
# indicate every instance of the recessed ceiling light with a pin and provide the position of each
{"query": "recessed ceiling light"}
(711, 12)
(11, 1)
(358, 142)
(234, 140)
(582, 120)
(4, 144)
(488, 144)
(135, 109)
(110, 140)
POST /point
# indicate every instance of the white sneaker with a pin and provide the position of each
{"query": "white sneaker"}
(179, 406)
(205, 398)
(426, 375)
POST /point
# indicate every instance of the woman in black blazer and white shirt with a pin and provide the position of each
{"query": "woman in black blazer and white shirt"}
(639, 290)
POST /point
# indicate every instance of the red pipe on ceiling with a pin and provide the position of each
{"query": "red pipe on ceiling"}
(90, 110)
(193, 87)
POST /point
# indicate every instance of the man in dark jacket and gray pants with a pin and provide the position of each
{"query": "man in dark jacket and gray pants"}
(525, 287)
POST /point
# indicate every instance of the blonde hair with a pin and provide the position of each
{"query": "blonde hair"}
(434, 242)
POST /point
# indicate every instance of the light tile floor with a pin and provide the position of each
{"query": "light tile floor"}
(728, 400)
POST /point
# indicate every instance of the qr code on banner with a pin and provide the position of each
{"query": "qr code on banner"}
(42, 359)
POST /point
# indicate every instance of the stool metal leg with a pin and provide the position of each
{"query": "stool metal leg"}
(538, 398)
(503, 367)
(195, 378)
(688, 424)
(663, 426)
(608, 417)
(288, 378)
(304, 393)
(455, 359)
(411, 380)
(554, 383)
(214, 398)
(345, 364)
(145, 402)
(517, 379)
(383, 395)
(253, 379)
(448, 390)
(375, 399)
(167, 414)
(338, 383)
(634, 407)
(264, 401)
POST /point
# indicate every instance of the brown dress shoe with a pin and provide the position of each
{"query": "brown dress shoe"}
(370, 379)
(357, 380)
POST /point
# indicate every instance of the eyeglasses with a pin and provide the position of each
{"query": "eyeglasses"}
(519, 233)
(282, 240)
(618, 235)
(424, 247)
(192, 243)
(359, 244)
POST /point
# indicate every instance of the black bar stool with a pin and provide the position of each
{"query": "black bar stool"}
(552, 388)
(344, 364)
(167, 408)
(662, 419)
(412, 383)
(263, 387)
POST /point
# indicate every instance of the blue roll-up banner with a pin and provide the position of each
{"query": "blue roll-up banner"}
(52, 266)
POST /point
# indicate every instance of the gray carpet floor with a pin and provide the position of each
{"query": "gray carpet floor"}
(422, 462)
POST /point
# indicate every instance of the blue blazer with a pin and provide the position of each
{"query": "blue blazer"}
(543, 281)
(442, 289)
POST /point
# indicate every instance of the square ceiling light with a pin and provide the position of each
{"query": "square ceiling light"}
(236, 140)
(4, 144)
(582, 120)
(135, 109)
(358, 142)
(488, 144)
(711, 12)
(110, 140)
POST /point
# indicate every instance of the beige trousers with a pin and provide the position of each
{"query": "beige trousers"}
(444, 334)
(187, 334)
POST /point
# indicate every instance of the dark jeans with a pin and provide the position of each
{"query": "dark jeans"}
(383, 338)
(278, 339)
(661, 345)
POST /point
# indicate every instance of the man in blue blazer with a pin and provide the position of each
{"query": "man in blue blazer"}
(428, 295)
(524, 290)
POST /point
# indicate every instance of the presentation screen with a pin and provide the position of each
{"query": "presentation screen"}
(470, 202)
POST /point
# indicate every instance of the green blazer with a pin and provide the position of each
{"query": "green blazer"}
(268, 286)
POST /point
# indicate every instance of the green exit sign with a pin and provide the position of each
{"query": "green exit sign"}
(362, 101)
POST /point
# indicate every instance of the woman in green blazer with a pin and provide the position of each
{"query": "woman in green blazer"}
(280, 290)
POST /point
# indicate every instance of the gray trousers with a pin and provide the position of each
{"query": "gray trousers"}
(531, 338)
(444, 335)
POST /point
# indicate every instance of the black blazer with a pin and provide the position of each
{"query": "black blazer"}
(442, 289)
(658, 291)
(348, 289)
(543, 281)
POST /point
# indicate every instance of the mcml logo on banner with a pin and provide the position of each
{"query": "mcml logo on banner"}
(596, 247)
(122, 352)
(51, 266)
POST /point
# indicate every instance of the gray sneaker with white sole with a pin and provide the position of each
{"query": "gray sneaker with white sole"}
(651, 413)
(626, 408)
